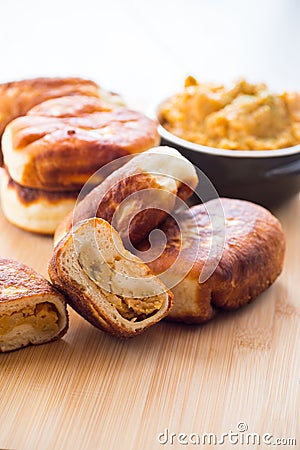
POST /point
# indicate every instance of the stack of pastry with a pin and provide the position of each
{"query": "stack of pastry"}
(50, 152)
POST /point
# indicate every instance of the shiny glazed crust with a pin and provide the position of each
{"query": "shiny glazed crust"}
(58, 145)
(89, 300)
(21, 286)
(17, 97)
(141, 173)
(251, 261)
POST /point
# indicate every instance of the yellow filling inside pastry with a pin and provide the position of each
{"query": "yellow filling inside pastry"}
(132, 298)
(42, 317)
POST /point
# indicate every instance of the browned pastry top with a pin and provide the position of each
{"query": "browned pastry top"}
(245, 255)
(104, 201)
(66, 140)
(18, 281)
(70, 106)
(247, 229)
(142, 213)
(17, 97)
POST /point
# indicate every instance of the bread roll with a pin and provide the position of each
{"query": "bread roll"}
(112, 289)
(17, 97)
(139, 195)
(31, 310)
(58, 145)
(251, 260)
(33, 209)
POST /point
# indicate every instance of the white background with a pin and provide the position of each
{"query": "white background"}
(145, 49)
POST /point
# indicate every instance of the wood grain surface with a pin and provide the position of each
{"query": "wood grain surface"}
(92, 391)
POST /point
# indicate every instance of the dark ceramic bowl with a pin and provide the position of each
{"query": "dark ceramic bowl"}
(267, 177)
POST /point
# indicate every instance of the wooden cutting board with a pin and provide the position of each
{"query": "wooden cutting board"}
(92, 391)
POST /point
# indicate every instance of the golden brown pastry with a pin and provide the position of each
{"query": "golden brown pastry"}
(77, 105)
(32, 311)
(251, 260)
(33, 209)
(58, 145)
(18, 97)
(138, 196)
(111, 288)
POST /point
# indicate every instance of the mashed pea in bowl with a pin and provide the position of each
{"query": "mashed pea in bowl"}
(245, 138)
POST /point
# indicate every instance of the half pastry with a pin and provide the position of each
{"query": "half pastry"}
(32, 311)
(139, 195)
(34, 209)
(220, 255)
(111, 288)
(59, 144)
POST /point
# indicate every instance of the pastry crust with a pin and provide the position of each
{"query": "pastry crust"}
(33, 209)
(251, 260)
(138, 196)
(32, 311)
(18, 97)
(77, 105)
(58, 145)
(111, 288)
